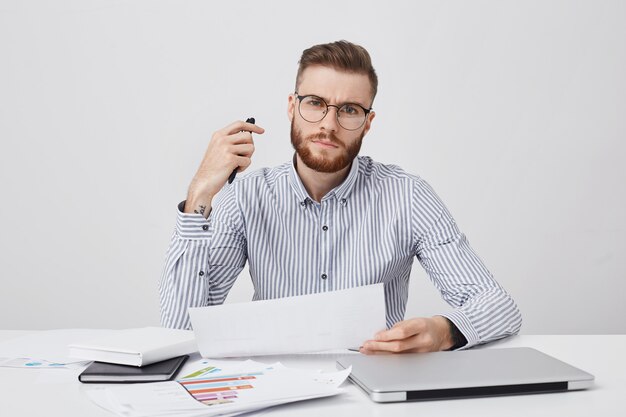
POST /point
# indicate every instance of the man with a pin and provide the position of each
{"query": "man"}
(329, 220)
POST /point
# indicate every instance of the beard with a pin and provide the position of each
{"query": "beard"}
(324, 162)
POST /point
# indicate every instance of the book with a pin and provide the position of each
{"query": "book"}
(109, 372)
(136, 347)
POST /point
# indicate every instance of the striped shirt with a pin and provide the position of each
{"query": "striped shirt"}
(367, 230)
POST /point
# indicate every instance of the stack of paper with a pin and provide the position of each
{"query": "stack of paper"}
(219, 388)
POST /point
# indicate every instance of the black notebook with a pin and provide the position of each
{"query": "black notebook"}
(111, 372)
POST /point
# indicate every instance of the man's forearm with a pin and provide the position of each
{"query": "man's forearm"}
(198, 204)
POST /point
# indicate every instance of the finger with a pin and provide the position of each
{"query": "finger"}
(373, 352)
(253, 128)
(395, 333)
(242, 163)
(240, 137)
(408, 346)
(240, 125)
(401, 330)
(394, 346)
(244, 149)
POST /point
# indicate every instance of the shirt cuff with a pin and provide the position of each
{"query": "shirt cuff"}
(192, 226)
(460, 320)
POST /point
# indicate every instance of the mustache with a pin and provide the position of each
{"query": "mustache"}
(327, 137)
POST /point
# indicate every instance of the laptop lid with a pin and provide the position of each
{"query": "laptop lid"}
(462, 374)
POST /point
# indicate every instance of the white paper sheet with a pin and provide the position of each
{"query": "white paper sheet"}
(39, 364)
(49, 345)
(315, 322)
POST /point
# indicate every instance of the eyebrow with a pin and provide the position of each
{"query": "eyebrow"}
(340, 104)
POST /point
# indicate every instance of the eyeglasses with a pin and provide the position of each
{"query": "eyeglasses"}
(313, 109)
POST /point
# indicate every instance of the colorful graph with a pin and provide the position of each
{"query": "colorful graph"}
(220, 389)
(201, 372)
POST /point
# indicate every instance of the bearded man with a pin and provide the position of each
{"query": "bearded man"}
(329, 220)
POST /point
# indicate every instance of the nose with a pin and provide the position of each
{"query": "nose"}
(329, 122)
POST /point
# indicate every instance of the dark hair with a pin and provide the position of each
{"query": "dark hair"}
(342, 56)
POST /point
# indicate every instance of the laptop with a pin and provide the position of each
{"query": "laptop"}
(462, 374)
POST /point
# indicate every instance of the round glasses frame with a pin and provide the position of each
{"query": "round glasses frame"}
(338, 107)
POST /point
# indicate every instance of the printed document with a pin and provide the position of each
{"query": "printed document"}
(308, 323)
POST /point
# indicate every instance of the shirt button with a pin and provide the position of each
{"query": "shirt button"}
(201, 273)
(205, 227)
(302, 203)
(324, 276)
(343, 201)
(325, 228)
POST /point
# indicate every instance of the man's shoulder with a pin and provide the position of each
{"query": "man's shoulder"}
(381, 172)
(378, 177)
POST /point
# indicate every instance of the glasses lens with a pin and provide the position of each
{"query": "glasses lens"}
(312, 109)
(351, 116)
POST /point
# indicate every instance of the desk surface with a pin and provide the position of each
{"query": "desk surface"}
(32, 392)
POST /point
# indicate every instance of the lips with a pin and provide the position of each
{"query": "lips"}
(325, 144)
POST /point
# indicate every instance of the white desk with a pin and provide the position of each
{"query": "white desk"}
(26, 392)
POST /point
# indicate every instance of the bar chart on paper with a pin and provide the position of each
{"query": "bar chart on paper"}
(211, 389)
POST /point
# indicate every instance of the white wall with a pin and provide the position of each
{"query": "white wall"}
(513, 110)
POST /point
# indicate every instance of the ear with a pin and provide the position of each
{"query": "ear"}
(291, 106)
(368, 122)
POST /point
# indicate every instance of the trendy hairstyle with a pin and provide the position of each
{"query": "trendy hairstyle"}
(342, 56)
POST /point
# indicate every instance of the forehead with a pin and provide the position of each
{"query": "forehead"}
(336, 86)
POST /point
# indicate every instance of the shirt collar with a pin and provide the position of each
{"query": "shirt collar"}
(340, 192)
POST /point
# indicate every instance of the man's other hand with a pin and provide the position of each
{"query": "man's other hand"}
(419, 334)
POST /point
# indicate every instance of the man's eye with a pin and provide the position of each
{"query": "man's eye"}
(350, 109)
(315, 103)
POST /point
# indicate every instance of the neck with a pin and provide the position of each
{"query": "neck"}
(318, 184)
